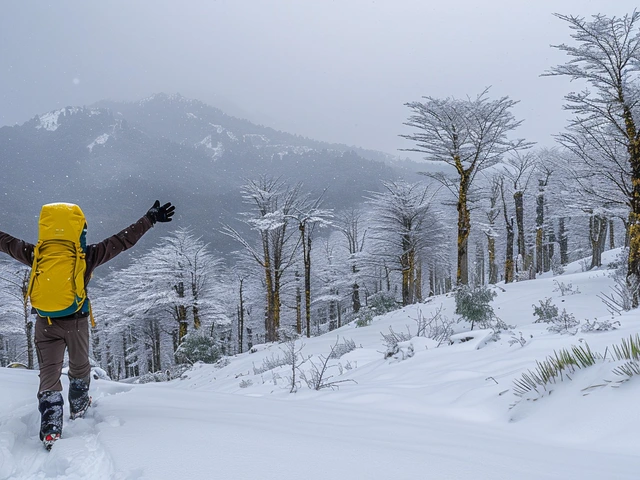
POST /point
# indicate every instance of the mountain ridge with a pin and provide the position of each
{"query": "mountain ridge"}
(114, 159)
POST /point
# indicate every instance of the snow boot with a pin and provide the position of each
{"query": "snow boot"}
(79, 399)
(50, 406)
(49, 439)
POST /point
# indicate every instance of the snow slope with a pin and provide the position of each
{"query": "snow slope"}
(446, 412)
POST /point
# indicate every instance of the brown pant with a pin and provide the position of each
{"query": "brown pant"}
(51, 341)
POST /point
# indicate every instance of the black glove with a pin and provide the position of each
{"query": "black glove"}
(159, 213)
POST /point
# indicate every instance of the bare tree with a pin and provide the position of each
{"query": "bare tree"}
(605, 130)
(470, 135)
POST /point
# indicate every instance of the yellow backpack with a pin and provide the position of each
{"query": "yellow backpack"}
(56, 287)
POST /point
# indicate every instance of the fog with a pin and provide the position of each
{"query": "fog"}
(338, 71)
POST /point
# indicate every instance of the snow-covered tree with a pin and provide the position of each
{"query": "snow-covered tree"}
(308, 215)
(151, 305)
(470, 135)
(589, 197)
(183, 273)
(14, 282)
(509, 267)
(273, 203)
(518, 171)
(404, 225)
(352, 226)
(491, 215)
(605, 131)
(334, 279)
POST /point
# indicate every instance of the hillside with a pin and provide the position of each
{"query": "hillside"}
(448, 411)
(115, 159)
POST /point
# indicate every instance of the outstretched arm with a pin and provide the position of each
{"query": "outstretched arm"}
(102, 252)
(18, 249)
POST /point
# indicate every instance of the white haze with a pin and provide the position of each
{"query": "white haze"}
(338, 71)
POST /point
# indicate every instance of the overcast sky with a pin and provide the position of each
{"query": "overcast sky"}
(338, 71)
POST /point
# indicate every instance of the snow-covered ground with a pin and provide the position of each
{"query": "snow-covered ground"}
(447, 412)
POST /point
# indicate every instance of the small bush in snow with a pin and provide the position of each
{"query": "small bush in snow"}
(317, 379)
(472, 304)
(382, 302)
(585, 264)
(347, 366)
(152, 377)
(629, 350)
(564, 323)
(398, 345)
(556, 266)
(365, 317)
(392, 338)
(294, 359)
(377, 304)
(400, 351)
(565, 289)
(554, 368)
(596, 326)
(270, 363)
(438, 326)
(534, 383)
(547, 312)
(343, 348)
(197, 347)
(165, 376)
(624, 289)
(246, 383)
(520, 340)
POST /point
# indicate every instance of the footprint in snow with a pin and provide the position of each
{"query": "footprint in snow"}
(77, 455)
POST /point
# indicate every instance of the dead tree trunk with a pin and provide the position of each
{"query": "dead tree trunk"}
(464, 228)
(563, 241)
(508, 263)
(597, 235)
(241, 318)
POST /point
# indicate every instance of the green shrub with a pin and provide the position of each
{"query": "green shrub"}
(377, 304)
(547, 312)
(562, 363)
(472, 304)
(382, 302)
(553, 368)
(196, 347)
(564, 323)
(365, 316)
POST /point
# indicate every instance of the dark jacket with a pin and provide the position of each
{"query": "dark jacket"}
(97, 253)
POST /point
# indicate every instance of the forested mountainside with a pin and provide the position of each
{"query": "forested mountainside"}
(114, 159)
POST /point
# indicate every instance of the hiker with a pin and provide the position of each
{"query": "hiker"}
(62, 234)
